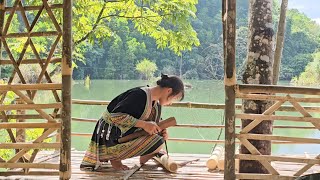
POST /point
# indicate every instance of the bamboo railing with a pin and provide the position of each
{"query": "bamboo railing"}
(278, 95)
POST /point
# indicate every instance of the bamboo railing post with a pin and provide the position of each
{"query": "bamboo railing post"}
(65, 152)
(229, 35)
(20, 133)
(2, 16)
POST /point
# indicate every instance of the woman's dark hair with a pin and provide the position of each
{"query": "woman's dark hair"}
(173, 82)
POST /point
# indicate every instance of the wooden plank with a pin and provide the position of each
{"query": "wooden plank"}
(32, 173)
(30, 145)
(30, 116)
(29, 165)
(24, 125)
(267, 137)
(44, 86)
(249, 88)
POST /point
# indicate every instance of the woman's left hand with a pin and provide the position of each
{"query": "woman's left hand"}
(165, 135)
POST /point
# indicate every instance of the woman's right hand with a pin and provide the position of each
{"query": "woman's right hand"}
(151, 127)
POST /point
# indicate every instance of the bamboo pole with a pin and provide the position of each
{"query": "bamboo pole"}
(29, 165)
(31, 34)
(278, 158)
(45, 86)
(32, 173)
(278, 98)
(32, 8)
(65, 152)
(249, 88)
(279, 41)
(29, 106)
(229, 38)
(30, 145)
(275, 117)
(31, 61)
(30, 116)
(281, 138)
(2, 19)
(25, 125)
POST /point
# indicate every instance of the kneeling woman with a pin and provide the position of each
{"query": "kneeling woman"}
(136, 109)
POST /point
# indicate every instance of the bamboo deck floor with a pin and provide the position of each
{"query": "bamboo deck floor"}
(196, 170)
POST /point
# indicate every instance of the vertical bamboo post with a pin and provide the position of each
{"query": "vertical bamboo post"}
(2, 16)
(65, 152)
(229, 35)
(20, 133)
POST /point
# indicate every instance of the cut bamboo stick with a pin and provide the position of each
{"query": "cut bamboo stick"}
(167, 163)
(212, 162)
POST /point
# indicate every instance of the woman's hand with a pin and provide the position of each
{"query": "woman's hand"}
(165, 135)
(151, 127)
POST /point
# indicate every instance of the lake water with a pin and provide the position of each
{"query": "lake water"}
(210, 91)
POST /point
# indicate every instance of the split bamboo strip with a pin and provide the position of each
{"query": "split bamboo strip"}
(29, 106)
(32, 8)
(45, 86)
(256, 122)
(24, 125)
(254, 151)
(275, 117)
(305, 168)
(30, 145)
(263, 176)
(267, 137)
(23, 151)
(31, 61)
(278, 158)
(32, 34)
(272, 97)
(29, 165)
(246, 88)
(204, 126)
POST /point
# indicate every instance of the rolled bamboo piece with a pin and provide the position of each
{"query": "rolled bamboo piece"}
(167, 163)
(221, 163)
(212, 162)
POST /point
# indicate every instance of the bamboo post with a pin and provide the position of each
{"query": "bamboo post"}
(2, 16)
(229, 35)
(65, 152)
(212, 162)
(20, 133)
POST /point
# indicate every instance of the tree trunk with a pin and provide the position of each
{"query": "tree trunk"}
(258, 70)
(280, 41)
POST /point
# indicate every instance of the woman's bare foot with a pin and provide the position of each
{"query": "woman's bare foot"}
(145, 158)
(117, 165)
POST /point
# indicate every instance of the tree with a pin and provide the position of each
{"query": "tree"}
(258, 70)
(147, 68)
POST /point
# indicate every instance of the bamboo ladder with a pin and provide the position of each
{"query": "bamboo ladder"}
(57, 122)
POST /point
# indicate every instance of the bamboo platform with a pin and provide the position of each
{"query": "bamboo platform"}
(195, 170)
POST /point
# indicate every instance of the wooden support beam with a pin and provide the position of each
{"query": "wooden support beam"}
(29, 165)
(263, 176)
(31, 61)
(278, 158)
(29, 106)
(30, 145)
(25, 125)
(31, 34)
(249, 88)
(32, 8)
(23, 87)
(267, 137)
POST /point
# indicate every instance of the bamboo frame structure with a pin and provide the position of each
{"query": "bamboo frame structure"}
(54, 121)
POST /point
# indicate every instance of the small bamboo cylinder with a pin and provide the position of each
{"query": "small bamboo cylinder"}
(212, 162)
(167, 163)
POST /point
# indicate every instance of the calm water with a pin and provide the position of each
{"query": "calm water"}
(202, 91)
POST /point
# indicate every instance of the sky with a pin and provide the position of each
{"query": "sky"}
(309, 7)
